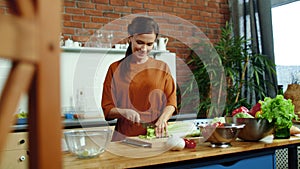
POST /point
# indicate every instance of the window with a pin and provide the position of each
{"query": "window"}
(286, 34)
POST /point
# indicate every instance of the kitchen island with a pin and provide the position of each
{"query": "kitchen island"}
(241, 154)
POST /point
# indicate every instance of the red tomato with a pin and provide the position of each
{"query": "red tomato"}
(239, 110)
(186, 141)
(190, 143)
(219, 124)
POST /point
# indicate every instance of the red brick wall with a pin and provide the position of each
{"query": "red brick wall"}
(207, 15)
(82, 17)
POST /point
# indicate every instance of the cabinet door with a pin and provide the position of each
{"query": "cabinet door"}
(17, 141)
(265, 162)
(14, 159)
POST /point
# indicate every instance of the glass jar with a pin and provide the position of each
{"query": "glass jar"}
(282, 133)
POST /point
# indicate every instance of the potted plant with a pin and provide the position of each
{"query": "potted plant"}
(243, 70)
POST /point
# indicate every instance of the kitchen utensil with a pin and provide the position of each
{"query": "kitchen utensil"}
(221, 136)
(138, 143)
(69, 43)
(77, 44)
(146, 124)
(87, 143)
(162, 43)
(255, 129)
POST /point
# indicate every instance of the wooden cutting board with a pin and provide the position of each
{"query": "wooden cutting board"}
(122, 149)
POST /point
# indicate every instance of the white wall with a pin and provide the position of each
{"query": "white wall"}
(5, 66)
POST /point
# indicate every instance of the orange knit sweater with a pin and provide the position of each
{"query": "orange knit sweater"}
(146, 88)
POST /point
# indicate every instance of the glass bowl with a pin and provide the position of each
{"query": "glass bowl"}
(87, 143)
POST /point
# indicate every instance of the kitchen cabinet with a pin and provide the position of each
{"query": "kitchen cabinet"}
(265, 161)
(15, 153)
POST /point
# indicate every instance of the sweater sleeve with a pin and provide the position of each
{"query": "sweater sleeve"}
(107, 101)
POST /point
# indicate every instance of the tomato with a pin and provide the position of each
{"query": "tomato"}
(189, 143)
(239, 110)
(219, 124)
(258, 113)
(255, 109)
(186, 141)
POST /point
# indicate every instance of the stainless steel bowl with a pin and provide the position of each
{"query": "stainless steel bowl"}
(221, 136)
(87, 143)
(255, 129)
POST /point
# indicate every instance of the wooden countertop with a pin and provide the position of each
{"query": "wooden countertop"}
(120, 155)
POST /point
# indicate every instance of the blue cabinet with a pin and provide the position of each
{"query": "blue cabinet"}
(257, 159)
(260, 162)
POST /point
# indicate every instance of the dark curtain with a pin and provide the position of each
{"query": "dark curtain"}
(252, 19)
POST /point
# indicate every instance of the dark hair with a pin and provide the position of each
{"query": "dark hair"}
(141, 25)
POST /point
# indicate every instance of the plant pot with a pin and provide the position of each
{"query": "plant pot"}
(282, 133)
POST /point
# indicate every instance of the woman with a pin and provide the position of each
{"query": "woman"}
(139, 89)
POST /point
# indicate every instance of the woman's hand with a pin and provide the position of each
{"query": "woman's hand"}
(131, 115)
(161, 129)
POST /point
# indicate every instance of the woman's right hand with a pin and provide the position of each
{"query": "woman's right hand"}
(131, 115)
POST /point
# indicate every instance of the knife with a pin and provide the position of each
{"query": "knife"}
(146, 125)
(137, 143)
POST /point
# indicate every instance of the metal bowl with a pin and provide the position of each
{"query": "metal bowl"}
(255, 128)
(221, 136)
(87, 143)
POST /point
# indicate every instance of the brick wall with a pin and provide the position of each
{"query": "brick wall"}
(89, 15)
(85, 16)
(81, 18)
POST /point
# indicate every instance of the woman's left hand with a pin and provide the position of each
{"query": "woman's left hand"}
(161, 129)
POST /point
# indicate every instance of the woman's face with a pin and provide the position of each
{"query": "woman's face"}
(142, 44)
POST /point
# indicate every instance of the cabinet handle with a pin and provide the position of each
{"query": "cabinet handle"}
(22, 158)
(22, 141)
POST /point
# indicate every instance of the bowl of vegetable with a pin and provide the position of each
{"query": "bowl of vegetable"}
(87, 143)
(221, 134)
(254, 129)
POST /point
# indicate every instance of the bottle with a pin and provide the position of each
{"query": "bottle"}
(80, 102)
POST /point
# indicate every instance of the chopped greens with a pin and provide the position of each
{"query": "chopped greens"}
(278, 110)
(150, 133)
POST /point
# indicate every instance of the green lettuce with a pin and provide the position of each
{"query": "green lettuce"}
(278, 110)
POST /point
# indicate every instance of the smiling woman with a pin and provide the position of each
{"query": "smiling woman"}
(139, 88)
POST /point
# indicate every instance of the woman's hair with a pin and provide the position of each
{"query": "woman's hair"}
(141, 25)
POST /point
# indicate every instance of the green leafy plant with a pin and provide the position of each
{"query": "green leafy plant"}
(278, 110)
(244, 71)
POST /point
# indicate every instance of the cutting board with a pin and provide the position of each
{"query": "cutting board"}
(122, 149)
